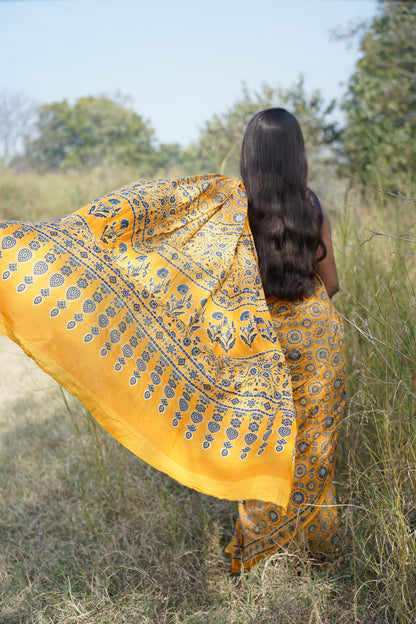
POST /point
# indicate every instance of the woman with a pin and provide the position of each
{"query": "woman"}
(148, 305)
(293, 242)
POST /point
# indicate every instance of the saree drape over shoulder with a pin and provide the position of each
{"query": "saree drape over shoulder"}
(147, 305)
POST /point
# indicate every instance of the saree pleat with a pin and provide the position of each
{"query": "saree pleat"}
(147, 305)
(312, 338)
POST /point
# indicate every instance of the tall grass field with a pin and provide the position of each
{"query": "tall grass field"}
(89, 534)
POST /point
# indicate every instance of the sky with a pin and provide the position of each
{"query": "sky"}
(180, 61)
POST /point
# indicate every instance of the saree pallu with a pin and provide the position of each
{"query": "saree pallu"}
(147, 304)
(311, 335)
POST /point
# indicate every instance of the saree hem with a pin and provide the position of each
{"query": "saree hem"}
(259, 485)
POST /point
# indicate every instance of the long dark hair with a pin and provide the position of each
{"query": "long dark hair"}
(283, 217)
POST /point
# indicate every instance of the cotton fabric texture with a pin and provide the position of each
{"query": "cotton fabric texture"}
(311, 335)
(147, 305)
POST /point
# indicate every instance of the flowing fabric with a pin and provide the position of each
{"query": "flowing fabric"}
(311, 335)
(147, 305)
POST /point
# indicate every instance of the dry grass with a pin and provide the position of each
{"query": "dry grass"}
(90, 534)
(31, 197)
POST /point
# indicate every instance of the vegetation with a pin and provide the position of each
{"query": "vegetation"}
(381, 102)
(90, 534)
(376, 148)
(92, 132)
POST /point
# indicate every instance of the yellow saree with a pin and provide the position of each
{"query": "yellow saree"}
(147, 305)
(312, 337)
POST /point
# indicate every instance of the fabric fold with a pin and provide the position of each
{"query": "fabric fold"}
(147, 305)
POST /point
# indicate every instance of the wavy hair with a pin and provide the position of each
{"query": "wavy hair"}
(282, 211)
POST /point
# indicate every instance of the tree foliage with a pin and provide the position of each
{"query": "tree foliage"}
(17, 116)
(380, 137)
(91, 132)
(100, 131)
(173, 160)
(220, 140)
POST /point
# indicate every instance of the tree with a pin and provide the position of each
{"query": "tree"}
(176, 161)
(380, 137)
(17, 116)
(220, 140)
(93, 131)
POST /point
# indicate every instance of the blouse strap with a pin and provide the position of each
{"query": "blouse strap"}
(317, 205)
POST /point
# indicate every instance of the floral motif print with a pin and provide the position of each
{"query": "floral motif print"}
(311, 335)
(148, 305)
